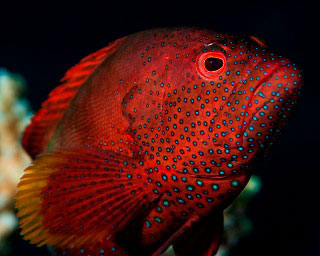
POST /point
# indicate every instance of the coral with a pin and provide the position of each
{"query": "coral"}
(14, 116)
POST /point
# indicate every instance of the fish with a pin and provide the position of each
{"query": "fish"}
(146, 141)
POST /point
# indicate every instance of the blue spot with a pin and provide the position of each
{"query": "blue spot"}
(261, 94)
(235, 183)
(189, 196)
(190, 188)
(199, 183)
(165, 203)
(157, 219)
(180, 201)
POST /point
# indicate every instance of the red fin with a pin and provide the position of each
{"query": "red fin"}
(202, 239)
(188, 225)
(37, 134)
(259, 41)
(69, 197)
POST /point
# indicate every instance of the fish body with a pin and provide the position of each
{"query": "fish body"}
(149, 139)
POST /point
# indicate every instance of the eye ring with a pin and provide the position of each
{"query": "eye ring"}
(218, 67)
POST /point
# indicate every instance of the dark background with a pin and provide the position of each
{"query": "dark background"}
(42, 42)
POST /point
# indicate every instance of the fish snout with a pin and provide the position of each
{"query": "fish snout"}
(272, 103)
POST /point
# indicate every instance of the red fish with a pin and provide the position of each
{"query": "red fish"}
(146, 141)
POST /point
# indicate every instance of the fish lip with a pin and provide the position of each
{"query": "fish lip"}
(217, 177)
(212, 176)
(205, 176)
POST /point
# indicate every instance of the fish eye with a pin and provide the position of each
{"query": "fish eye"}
(211, 64)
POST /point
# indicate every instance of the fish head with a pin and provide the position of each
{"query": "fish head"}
(209, 103)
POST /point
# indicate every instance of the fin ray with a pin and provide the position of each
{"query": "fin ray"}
(36, 136)
(81, 195)
(203, 239)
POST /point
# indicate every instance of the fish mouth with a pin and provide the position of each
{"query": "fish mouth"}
(272, 100)
(247, 119)
(210, 177)
(217, 176)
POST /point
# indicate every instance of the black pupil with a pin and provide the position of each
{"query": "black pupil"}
(213, 64)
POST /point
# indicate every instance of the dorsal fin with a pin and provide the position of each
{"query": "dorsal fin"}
(37, 135)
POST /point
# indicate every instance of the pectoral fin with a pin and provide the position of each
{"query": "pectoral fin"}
(203, 239)
(187, 226)
(69, 197)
